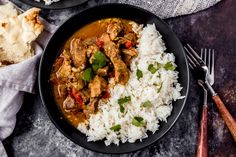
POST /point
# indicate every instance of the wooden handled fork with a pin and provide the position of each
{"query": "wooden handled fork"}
(200, 70)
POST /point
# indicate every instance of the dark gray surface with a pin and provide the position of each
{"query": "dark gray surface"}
(36, 136)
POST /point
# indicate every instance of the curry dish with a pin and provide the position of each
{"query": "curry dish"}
(94, 59)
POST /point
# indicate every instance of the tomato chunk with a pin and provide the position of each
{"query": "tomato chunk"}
(128, 44)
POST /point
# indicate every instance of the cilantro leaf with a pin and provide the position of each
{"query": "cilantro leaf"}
(116, 127)
(147, 104)
(169, 66)
(124, 100)
(122, 109)
(87, 75)
(138, 121)
(139, 74)
(99, 60)
(159, 89)
(152, 69)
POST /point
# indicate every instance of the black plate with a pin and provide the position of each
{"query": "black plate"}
(62, 4)
(72, 25)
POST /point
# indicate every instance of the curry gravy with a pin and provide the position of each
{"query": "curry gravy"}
(94, 29)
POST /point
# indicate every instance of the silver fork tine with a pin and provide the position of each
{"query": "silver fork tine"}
(209, 59)
(193, 52)
(191, 57)
(191, 64)
(205, 57)
(201, 52)
(213, 63)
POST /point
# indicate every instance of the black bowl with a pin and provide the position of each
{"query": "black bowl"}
(58, 5)
(71, 26)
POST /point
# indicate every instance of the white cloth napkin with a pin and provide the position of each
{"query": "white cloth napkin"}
(15, 80)
(19, 78)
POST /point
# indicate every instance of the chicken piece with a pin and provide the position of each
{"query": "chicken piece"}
(97, 86)
(111, 49)
(91, 107)
(103, 71)
(65, 70)
(78, 85)
(114, 28)
(92, 49)
(104, 38)
(121, 71)
(131, 52)
(127, 59)
(78, 53)
(58, 63)
(131, 37)
(69, 104)
(89, 41)
(61, 89)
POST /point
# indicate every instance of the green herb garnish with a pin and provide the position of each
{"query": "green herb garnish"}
(99, 60)
(159, 65)
(147, 104)
(159, 89)
(138, 121)
(169, 66)
(152, 69)
(122, 101)
(139, 74)
(87, 75)
(122, 109)
(116, 127)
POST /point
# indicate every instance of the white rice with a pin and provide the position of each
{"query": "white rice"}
(151, 50)
(48, 2)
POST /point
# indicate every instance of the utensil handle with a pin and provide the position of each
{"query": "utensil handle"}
(227, 117)
(202, 135)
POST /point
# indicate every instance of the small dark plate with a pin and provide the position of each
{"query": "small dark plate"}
(62, 4)
(55, 45)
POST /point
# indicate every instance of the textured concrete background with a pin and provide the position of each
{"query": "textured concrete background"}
(36, 136)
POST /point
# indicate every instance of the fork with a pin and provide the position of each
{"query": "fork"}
(202, 134)
(208, 57)
(200, 70)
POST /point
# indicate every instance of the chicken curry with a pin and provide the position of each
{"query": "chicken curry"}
(93, 60)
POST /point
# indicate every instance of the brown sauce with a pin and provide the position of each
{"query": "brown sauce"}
(94, 29)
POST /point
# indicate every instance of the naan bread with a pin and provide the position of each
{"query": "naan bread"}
(17, 32)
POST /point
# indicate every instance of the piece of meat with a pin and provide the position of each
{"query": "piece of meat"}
(103, 71)
(97, 86)
(89, 41)
(131, 52)
(91, 107)
(111, 49)
(62, 90)
(92, 49)
(127, 59)
(78, 53)
(69, 104)
(131, 37)
(121, 71)
(114, 28)
(104, 38)
(65, 70)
